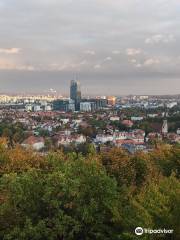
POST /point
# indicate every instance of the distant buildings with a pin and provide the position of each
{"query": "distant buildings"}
(114, 118)
(173, 137)
(71, 105)
(131, 140)
(64, 128)
(111, 100)
(75, 93)
(64, 105)
(134, 118)
(96, 103)
(165, 127)
(29, 107)
(171, 104)
(37, 108)
(178, 131)
(74, 103)
(65, 140)
(127, 123)
(36, 143)
(87, 106)
(104, 138)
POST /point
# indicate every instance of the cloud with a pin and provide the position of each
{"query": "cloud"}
(25, 68)
(97, 66)
(90, 52)
(101, 63)
(10, 65)
(56, 67)
(151, 61)
(133, 61)
(116, 52)
(107, 59)
(160, 38)
(146, 63)
(138, 65)
(83, 62)
(10, 50)
(133, 51)
(110, 35)
(65, 66)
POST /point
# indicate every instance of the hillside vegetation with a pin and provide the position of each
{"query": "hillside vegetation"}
(94, 196)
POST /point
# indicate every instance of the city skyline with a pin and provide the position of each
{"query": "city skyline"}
(117, 47)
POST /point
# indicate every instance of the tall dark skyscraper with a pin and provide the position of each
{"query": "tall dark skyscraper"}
(75, 93)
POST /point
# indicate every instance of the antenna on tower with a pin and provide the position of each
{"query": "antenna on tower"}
(77, 76)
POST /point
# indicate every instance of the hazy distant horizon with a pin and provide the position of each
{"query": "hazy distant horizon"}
(38, 82)
(117, 47)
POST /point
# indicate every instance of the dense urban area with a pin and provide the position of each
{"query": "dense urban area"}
(83, 168)
(134, 123)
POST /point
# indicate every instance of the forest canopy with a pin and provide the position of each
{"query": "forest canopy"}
(101, 196)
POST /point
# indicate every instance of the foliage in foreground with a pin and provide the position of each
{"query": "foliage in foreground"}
(98, 196)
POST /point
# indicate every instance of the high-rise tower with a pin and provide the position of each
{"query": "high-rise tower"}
(75, 93)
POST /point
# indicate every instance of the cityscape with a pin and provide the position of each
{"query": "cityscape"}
(89, 120)
(134, 123)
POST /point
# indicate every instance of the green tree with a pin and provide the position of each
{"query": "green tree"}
(75, 201)
(86, 148)
(118, 164)
(155, 207)
(167, 159)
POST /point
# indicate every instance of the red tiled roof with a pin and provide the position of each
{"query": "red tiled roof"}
(32, 140)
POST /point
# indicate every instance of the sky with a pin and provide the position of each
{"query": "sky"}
(116, 47)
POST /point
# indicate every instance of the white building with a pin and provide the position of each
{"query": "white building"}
(152, 115)
(137, 118)
(66, 140)
(77, 121)
(143, 97)
(114, 118)
(87, 106)
(120, 135)
(102, 138)
(178, 131)
(37, 143)
(65, 120)
(48, 108)
(37, 108)
(71, 105)
(171, 104)
(28, 107)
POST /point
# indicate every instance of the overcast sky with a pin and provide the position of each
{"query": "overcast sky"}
(115, 46)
